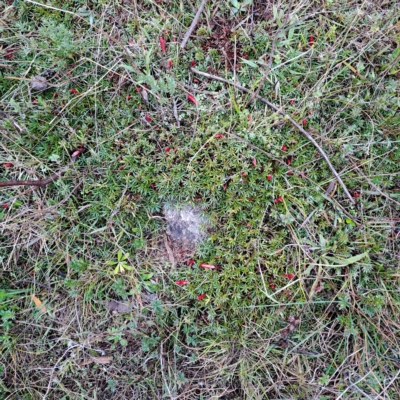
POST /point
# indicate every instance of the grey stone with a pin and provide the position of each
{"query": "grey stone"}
(186, 225)
(117, 307)
(48, 73)
(39, 83)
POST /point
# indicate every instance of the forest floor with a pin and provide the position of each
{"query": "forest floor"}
(279, 120)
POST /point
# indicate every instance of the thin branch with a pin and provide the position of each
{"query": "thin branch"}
(38, 182)
(288, 118)
(193, 24)
(33, 283)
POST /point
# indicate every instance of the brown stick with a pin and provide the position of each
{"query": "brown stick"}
(38, 182)
(288, 118)
(193, 24)
(33, 283)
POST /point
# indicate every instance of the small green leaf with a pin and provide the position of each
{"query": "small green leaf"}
(348, 261)
(54, 158)
(128, 67)
(252, 64)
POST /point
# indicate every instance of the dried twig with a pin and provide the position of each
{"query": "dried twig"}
(42, 285)
(288, 118)
(193, 24)
(169, 251)
(38, 182)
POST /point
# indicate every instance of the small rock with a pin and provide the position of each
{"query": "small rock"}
(119, 307)
(39, 83)
(48, 73)
(186, 225)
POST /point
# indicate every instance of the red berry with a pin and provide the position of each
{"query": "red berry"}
(162, 45)
(77, 152)
(182, 282)
(284, 148)
(269, 177)
(288, 276)
(192, 98)
(207, 266)
(9, 54)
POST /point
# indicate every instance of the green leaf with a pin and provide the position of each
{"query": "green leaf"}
(54, 158)
(252, 64)
(290, 34)
(348, 261)
(128, 67)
